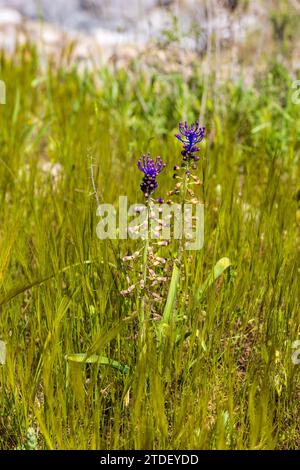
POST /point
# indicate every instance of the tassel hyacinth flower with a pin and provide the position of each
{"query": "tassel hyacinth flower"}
(151, 169)
(190, 136)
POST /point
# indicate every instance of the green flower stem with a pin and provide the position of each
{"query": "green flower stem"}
(143, 306)
(172, 293)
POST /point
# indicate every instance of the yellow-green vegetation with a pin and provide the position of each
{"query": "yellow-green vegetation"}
(228, 380)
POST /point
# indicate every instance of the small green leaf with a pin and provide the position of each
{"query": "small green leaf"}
(262, 126)
(169, 307)
(218, 270)
(221, 266)
(96, 359)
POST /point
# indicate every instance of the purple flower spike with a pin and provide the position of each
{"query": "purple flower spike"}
(190, 137)
(151, 168)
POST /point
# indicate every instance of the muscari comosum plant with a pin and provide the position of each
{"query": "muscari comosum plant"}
(155, 269)
(190, 137)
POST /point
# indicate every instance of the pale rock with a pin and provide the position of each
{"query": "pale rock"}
(8, 16)
(50, 35)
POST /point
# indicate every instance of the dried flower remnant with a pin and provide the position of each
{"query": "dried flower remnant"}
(128, 291)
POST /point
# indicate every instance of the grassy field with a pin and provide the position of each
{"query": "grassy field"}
(223, 375)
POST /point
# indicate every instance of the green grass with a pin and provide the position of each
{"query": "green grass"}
(231, 383)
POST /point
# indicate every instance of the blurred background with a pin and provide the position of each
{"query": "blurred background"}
(233, 36)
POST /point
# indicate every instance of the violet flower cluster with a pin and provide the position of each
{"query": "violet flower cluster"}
(151, 169)
(190, 136)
